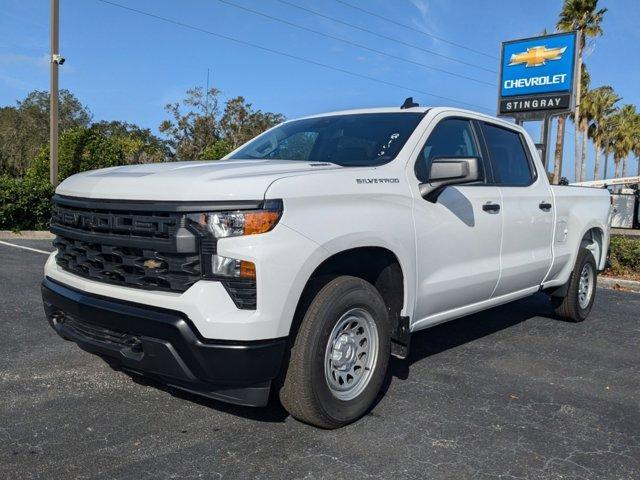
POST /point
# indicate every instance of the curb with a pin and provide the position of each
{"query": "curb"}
(625, 232)
(613, 283)
(26, 235)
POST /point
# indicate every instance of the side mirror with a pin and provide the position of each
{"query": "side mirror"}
(447, 171)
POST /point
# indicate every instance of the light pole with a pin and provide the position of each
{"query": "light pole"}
(56, 60)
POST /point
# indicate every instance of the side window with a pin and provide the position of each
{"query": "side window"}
(450, 138)
(511, 164)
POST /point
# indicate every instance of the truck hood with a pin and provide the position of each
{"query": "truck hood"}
(184, 181)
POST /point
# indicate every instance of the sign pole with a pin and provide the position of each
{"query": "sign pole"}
(53, 96)
(545, 136)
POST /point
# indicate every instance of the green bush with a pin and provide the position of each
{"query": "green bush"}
(80, 149)
(624, 256)
(216, 150)
(25, 203)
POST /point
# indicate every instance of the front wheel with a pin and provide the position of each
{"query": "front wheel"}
(581, 291)
(340, 355)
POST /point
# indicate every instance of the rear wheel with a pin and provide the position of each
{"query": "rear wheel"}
(581, 291)
(340, 355)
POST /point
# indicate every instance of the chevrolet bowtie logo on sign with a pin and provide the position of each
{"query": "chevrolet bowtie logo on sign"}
(536, 56)
(537, 76)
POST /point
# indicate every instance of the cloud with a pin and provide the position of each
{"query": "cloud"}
(17, 59)
(423, 7)
(16, 83)
(426, 21)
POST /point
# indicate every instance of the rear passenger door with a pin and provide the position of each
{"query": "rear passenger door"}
(527, 210)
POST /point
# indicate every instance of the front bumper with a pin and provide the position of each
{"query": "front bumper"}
(165, 345)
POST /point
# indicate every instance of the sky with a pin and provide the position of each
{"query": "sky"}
(127, 66)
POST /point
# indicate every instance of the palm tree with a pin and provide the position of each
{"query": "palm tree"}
(632, 129)
(585, 118)
(583, 16)
(601, 102)
(624, 124)
(629, 127)
(608, 142)
(557, 156)
(636, 143)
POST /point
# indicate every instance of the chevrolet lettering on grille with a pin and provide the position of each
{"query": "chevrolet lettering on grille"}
(110, 221)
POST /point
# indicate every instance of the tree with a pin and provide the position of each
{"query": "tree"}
(623, 122)
(190, 132)
(557, 157)
(80, 149)
(202, 133)
(635, 147)
(241, 123)
(608, 141)
(558, 153)
(601, 102)
(139, 144)
(583, 16)
(585, 119)
(24, 129)
(216, 151)
(629, 131)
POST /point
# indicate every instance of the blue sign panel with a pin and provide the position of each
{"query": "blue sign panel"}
(537, 76)
(538, 65)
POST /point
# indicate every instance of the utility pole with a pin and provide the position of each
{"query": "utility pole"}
(56, 60)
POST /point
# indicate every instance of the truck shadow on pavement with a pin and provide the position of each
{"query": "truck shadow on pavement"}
(424, 344)
(445, 336)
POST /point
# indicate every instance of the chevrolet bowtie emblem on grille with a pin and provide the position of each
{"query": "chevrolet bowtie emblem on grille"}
(152, 264)
(536, 56)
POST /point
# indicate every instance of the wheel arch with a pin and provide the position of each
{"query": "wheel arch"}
(595, 241)
(378, 265)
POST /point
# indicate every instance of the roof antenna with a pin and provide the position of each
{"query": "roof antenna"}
(409, 103)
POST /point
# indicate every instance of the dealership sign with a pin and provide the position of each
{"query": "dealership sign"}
(537, 76)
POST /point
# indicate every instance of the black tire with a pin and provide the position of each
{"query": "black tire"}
(568, 307)
(305, 392)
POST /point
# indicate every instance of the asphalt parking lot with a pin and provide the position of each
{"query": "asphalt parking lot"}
(509, 393)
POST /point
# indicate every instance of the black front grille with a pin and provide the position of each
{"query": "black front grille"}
(134, 244)
(129, 266)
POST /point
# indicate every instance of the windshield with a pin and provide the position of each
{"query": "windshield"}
(349, 140)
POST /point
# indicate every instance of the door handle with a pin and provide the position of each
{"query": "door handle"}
(545, 206)
(491, 207)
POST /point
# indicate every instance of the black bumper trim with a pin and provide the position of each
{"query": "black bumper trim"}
(164, 344)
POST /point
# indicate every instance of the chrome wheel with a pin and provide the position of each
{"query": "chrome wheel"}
(585, 285)
(351, 354)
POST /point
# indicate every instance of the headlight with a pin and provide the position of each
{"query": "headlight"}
(215, 225)
(240, 222)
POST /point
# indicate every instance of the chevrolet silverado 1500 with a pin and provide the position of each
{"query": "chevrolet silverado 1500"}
(305, 258)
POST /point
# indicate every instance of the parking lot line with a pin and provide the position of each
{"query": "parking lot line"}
(24, 248)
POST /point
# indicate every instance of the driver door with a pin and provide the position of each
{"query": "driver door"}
(457, 237)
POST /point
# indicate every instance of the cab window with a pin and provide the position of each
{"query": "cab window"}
(511, 164)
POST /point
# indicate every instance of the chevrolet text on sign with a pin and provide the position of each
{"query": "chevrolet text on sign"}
(537, 75)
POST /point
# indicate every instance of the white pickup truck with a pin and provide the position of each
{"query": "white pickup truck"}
(301, 261)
